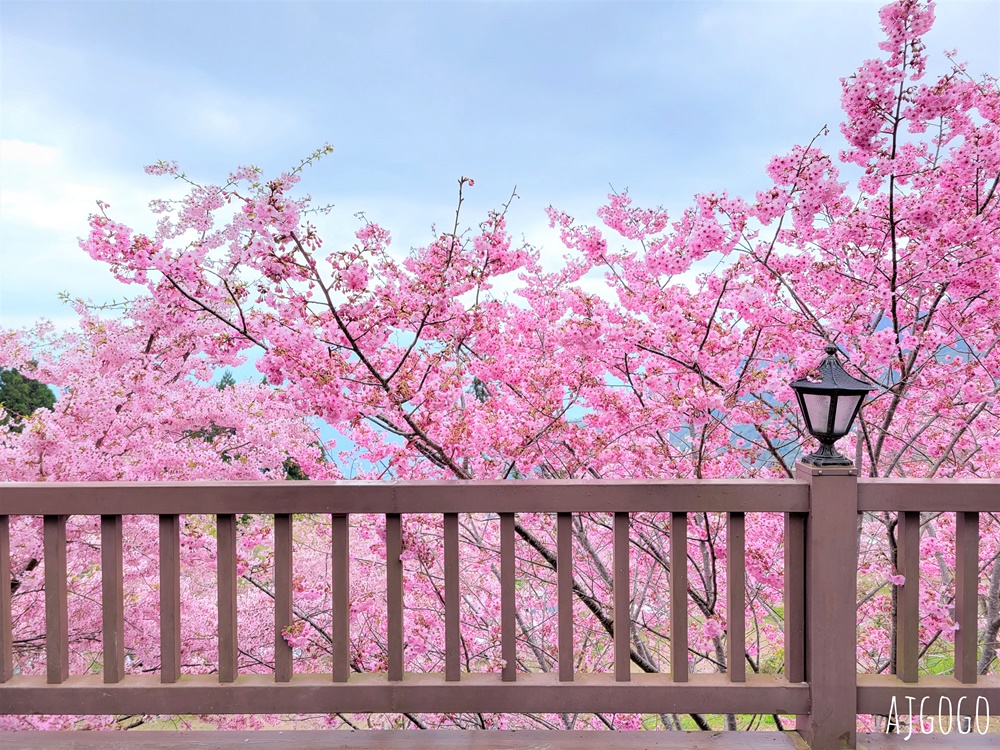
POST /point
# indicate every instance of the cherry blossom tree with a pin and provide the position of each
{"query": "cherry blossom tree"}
(887, 247)
(134, 405)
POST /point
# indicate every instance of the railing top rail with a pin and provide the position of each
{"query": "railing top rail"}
(452, 496)
(928, 495)
(114, 498)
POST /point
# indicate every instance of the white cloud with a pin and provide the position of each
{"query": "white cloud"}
(45, 199)
(15, 152)
(43, 190)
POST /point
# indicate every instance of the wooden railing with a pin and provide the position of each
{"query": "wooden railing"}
(820, 685)
(908, 498)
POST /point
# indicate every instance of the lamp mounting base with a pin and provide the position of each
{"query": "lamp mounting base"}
(826, 456)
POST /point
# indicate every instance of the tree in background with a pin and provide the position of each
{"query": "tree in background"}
(226, 381)
(888, 248)
(21, 396)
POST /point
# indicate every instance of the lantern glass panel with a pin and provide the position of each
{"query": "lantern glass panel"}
(818, 409)
(845, 410)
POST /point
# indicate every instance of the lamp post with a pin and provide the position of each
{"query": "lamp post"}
(825, 576)
(829, 406)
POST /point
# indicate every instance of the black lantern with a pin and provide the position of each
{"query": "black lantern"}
(829, 406)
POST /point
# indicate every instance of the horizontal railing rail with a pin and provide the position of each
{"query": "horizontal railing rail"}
(928, 495)
(122, 498)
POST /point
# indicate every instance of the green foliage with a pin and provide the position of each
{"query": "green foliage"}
(480, 390)
(293, 471)
(226, 381)
(210, 434)
(21, 396)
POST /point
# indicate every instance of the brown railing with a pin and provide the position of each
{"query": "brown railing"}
(820, 684)
(908, 498)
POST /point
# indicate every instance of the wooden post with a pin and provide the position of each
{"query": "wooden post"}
(564, 593)
(394, 593)
(622, 599)
(112, 599)
(736, 582)
(170, 597)
(452, 614)
(56, 617)
(831, 611)
(678, 597)
(341, 538)
(508, 587)
(227, 590)
(966, 596)
(908, 596)
(282, 596)
(6, 622)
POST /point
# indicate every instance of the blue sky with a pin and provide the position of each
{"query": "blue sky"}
(561, 99)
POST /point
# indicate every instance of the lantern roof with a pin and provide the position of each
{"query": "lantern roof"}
(833, 377)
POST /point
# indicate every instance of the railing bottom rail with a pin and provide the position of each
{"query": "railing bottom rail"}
(465, 740)
(416, 693)
(487, 739)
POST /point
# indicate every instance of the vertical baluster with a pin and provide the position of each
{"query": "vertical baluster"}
(170, 598)
(736, 597)
(966, 596)
(795, 597)
(564, 580)
(623, 614)
(6, 629)
(908, 596)
(56, 616)
(394, 592)
(112, 599)
(226, 567)
(452, 635)
(341, 570)
(508, 619)
(678, 598)
(282, 595)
